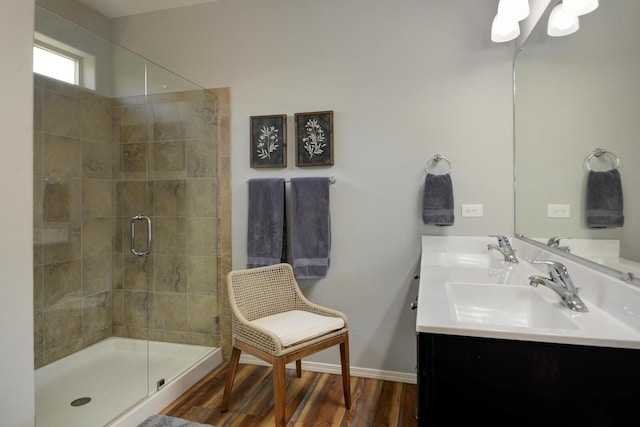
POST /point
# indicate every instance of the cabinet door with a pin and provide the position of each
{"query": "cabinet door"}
(517, 383)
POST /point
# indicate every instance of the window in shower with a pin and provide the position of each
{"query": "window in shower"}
(64, 61)
(57, 65)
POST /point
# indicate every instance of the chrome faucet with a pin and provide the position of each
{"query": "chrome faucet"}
(554, 242)
(561, 283)
(504, 247)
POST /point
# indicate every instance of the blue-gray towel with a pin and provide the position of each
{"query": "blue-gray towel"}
(437, 203)
(310, 227)
(265, 232)
(604, 199)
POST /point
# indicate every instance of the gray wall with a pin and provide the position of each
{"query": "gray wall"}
(16, 227)
(406, 80)
(80, 14)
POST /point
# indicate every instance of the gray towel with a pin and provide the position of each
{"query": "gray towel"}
(437, 203)
(265, 232)
(604, 199)
(310, 227)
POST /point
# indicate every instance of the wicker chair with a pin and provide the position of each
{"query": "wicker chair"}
(259, 294)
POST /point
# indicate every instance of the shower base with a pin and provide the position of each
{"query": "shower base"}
(113, 375)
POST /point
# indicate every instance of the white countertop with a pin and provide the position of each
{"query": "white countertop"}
(467, 290)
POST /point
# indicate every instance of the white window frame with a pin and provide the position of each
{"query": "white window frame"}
(86, 63)
(76, 59)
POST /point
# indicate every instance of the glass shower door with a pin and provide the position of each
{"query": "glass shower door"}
(91, 176)
(183, 181)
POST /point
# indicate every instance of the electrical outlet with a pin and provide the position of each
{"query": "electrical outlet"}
(558, 211)
(472, 211)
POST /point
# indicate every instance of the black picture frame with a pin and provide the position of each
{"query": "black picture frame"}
(268, 141)
(314, 138)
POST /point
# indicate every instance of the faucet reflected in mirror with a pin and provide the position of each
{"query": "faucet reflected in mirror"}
(554, 242)
(572, 94)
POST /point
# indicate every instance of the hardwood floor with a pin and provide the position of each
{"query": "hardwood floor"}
(315, 399)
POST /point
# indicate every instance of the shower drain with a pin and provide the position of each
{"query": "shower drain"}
(81, 401)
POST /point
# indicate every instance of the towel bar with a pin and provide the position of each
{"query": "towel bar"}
(436, 159)
(599, 152)
(332, 180)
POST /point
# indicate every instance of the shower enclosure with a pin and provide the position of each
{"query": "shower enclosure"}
(126, 225)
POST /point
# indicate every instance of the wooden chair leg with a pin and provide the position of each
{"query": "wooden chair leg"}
(231, 374)
(279, 391)
(346, 372)
(299, 368)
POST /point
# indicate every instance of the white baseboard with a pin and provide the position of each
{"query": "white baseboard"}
(328, 368)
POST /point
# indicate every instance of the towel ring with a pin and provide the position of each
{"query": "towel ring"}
(599, 152)
(435, 160)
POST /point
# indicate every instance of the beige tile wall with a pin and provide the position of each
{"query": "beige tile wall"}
(172, 139)
(223, 121)
(73, 221)
(100, 161)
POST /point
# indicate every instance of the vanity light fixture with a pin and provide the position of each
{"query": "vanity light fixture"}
(506, 26)
(562, 22)
(580, 7)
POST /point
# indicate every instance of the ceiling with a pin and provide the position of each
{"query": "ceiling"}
(118, 8)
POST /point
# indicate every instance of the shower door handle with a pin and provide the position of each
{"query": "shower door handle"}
(133, 235)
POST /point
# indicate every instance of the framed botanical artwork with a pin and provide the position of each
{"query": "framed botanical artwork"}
(314, 138)
(268, 141)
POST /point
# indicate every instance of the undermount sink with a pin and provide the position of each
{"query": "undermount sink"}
(467, 290)
(453, 259)
(504, 305)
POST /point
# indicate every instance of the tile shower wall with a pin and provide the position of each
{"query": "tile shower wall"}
(97, 162)
(73, 221)
(171, 139)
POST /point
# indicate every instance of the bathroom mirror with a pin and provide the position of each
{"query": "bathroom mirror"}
(574, 94)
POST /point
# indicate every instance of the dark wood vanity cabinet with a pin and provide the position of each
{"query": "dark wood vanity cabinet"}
(468, 380)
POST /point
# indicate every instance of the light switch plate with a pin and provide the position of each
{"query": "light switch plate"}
(472, 211)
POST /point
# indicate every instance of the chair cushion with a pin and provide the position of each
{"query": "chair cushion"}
(296, 326)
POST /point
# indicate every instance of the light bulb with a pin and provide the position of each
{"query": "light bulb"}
(562, 23)
(504, 29)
